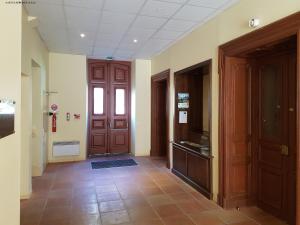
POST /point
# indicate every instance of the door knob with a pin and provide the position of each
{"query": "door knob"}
(284, 150)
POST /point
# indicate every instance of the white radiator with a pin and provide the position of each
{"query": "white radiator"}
(66, 148)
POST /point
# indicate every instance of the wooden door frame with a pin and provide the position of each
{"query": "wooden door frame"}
(284, 28)
(162, 76)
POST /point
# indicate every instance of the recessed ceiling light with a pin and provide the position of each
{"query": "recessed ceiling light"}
(135, 40)
(82, 35)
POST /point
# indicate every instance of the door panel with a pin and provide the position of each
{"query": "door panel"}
(109, 107)
(238, 163)
(98, 117)
(119, 122)
(276, 134)
(180, 160)
(98, 72)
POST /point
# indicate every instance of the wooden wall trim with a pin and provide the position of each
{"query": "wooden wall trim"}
(298, 132)
(280, 30)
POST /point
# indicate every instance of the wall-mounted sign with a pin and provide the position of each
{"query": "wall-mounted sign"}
(54, 107)
(183, 100)
(7, 117)
(182, 116)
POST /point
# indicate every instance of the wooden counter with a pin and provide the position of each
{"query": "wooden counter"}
(194, 167)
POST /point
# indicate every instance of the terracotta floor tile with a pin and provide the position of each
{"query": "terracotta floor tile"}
(169, 210)
(181, 197)
(247, 223)
(147, 194)
(56, 222)
(34, 203)
(149, 222)
(190, 207)
(54, 202)
(205, 219)
(111, 206)
(149, 191)
(85, 209)
(57, 213)
(159, 200)
(84, 199)
(110, 196)
(85, 220)
(116, 217)
(133, 203)
(229, 216)
(178, 220)
(141, 214)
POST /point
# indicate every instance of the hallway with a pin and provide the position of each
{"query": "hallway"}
(147, 194)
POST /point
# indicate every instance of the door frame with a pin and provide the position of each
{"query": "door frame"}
(162, 76)
(279, 30)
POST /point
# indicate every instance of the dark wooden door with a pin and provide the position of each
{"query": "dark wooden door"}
(237, 163)
(109, 107)
(276, 135)
(119, 105)
(98, 108)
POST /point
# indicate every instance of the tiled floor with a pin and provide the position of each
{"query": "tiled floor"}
(147, 194)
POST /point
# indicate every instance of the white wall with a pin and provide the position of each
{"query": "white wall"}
(26, 137)
(202, 44)
(141, 108)
(34, 65)
(10, 87)
(68, 77)
(39, 146)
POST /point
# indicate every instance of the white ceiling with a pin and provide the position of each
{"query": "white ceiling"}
(111, 25)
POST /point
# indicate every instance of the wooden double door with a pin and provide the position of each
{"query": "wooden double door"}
(261, 129)
(109, 107)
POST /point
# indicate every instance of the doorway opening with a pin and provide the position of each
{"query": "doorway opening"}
(259, 121)
(160, 116)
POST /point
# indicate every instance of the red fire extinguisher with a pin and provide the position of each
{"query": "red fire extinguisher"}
(54, 122)
(54, 108)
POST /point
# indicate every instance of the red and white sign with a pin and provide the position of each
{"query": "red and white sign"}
(54, 107)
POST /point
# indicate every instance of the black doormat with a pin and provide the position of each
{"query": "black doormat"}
(113, 163)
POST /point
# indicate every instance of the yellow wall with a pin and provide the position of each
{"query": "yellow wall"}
(202, 44)
(141, 107)
(10, 87)
(68, 77)
(34, 69)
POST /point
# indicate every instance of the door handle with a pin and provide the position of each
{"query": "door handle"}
(284, 150)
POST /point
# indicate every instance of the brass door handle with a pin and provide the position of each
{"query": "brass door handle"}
(284, 150)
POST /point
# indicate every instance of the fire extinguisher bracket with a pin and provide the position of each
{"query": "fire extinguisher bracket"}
(51, 113)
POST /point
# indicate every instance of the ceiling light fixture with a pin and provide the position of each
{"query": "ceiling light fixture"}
(82, 35)
(135, 40)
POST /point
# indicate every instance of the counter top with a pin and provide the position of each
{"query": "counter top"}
(205, 151)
